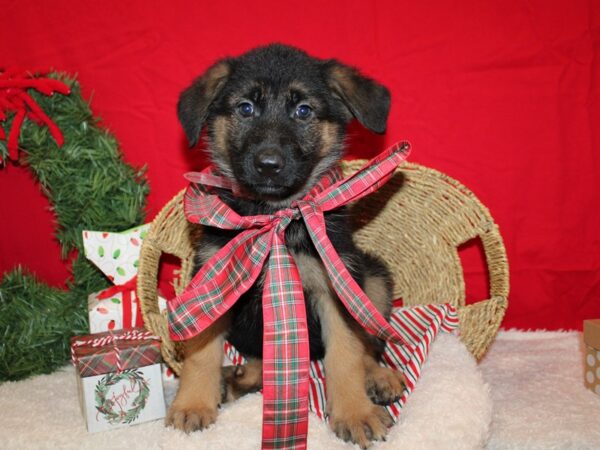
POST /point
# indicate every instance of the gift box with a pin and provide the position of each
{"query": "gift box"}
(116, 308)
(116, 254)
(118, 378)
(591, 338)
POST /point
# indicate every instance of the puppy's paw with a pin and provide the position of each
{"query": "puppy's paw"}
(237, 381)
(384, 385)
(362, 425)
(190, 418)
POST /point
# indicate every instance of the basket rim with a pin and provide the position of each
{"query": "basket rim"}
(496, 303)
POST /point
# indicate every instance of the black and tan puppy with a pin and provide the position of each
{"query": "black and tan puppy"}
(276, 121)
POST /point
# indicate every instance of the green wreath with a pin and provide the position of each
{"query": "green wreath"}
(110, 407)
(89, 187)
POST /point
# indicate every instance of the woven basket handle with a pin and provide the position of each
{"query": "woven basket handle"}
(495, 254)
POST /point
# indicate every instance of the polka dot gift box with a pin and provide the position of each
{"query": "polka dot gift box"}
(591, 337)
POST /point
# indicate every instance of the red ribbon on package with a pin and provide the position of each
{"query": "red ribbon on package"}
(235, 268)
(128, 291)
(14, 98)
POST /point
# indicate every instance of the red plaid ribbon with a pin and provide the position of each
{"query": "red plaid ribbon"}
(420, 325)
(235, 268)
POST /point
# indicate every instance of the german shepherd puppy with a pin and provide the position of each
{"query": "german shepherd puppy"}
(276, 121)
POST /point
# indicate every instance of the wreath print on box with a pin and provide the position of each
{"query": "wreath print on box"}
(121, 397)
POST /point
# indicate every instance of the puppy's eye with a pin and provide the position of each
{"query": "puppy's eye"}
(303, 112)
(246, 109)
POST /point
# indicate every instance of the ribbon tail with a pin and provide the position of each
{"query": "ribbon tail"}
(286, 356)
(350, 293)
(236, 266)
(13, 137)
(366, 180)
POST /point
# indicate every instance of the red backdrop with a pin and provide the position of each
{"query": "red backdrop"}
(502, 95)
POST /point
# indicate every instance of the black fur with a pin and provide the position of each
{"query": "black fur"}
(277, 154)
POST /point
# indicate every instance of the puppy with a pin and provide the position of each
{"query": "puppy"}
(276, 121)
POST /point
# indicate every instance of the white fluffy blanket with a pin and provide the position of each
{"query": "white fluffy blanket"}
(449, 408)
(540, 402)
(535, 380)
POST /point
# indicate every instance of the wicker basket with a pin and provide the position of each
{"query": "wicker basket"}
(415, 223)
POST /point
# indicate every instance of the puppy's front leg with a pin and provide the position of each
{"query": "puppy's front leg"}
(199, 394)
(352, 415)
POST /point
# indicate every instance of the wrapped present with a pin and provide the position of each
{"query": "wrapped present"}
(119, 378)
(117, 307)
(116, 255)
(591, 338)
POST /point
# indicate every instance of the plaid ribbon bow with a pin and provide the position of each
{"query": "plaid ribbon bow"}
(235, 268)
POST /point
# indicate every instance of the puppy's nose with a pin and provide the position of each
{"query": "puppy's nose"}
(268, 162)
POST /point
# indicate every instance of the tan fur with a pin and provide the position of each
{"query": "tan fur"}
(329, 139)
(216, 75)
(199, 394)
(221, 126)
(350, 366)
(241, 380)
(377, 291)
(351, 412)
(383, 384)
(312, 273)
(342, 79)
(296, 85)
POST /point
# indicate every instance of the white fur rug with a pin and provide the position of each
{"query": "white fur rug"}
(540, 401)
(449, 409)
(535, 380)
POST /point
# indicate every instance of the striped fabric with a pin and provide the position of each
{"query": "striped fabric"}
(420, 325)
(236, 267)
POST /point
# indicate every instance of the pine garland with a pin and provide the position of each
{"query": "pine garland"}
(89, 187)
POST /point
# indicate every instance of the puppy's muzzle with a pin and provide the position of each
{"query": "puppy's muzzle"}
(269, 162)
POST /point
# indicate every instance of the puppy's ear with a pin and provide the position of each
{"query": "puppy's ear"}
(194, 102)
(366, 99)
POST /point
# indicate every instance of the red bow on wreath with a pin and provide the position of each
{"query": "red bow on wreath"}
(14, 98)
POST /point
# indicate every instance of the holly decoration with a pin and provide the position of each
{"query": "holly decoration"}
(80, 168)
(114, 410)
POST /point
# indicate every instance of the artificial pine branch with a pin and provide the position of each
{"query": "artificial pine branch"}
(89, 187)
